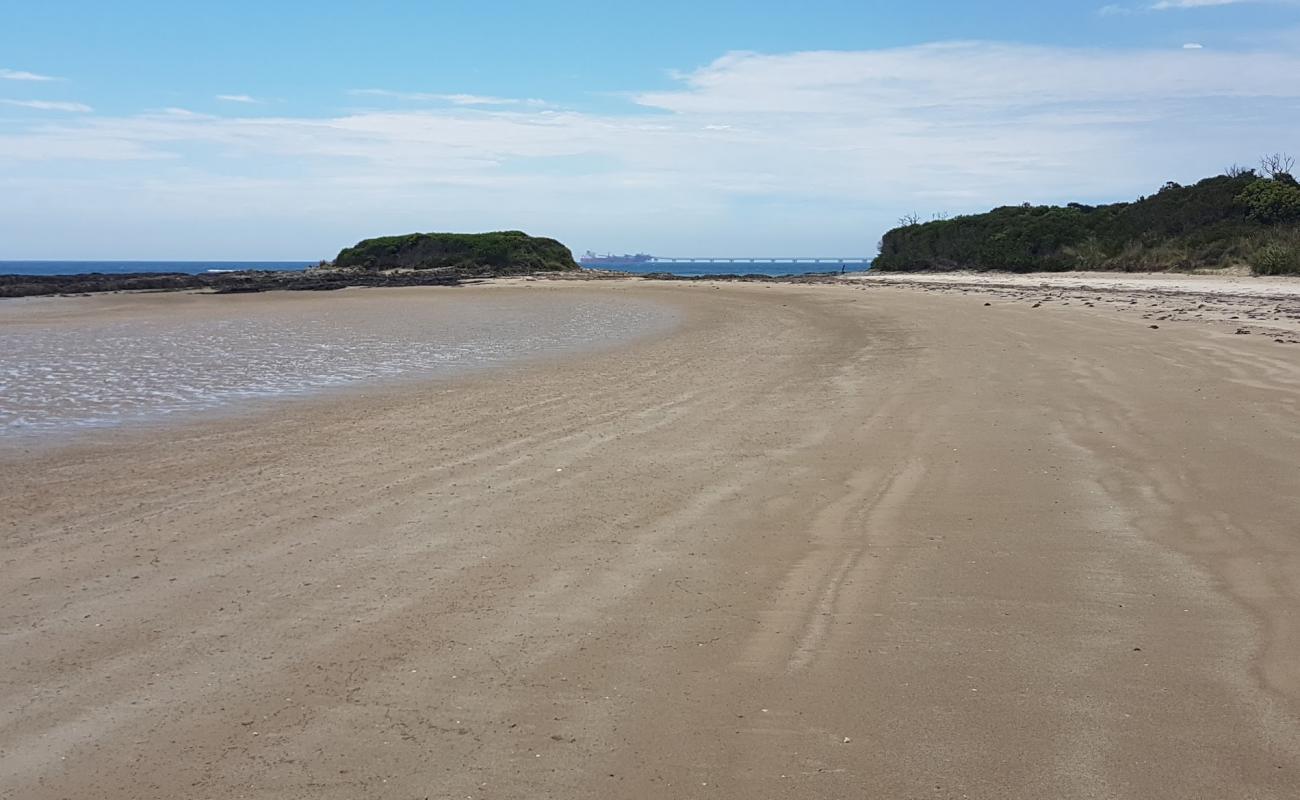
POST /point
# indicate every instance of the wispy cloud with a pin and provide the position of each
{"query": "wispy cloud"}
(969, 75)
(240, 98)
(177, 113)
(21, 75)
(50, 105)
(1174, 5)
(1165, 5)
(807, 144)
(453, 99)
(1115, 9)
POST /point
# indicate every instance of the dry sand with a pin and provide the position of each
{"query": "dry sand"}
(1268, 306)
(819, 542)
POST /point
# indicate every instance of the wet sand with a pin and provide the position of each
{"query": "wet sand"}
(123, 359)
(818, 542)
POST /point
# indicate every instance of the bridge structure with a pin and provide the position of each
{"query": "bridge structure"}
(759, 260)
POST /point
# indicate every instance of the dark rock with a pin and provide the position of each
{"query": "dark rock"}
(219, 283)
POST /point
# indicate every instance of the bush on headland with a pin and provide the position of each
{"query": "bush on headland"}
(498, 253)
(1238, 219)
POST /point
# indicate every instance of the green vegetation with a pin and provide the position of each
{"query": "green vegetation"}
(1240, 218)
(499, 253)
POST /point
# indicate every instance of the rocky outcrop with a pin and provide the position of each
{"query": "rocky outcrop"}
(219, 282)
(479, 254)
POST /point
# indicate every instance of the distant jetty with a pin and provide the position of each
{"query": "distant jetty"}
(609, 260)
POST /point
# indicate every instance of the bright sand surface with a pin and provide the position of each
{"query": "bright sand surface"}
(817, 542)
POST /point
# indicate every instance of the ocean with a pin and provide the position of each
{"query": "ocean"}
(120, 267)
(697, 268)
(689, 269)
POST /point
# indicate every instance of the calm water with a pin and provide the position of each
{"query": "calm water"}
(694, 268)
(73, 373)
(196, 267)
(118, 267)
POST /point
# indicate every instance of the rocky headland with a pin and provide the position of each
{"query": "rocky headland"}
(1239, 220)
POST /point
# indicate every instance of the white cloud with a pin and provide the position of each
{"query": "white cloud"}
(828, 146)
(454, 99)
(50, 105)
(1193, 46)
(1165, 5)
(1114, 9)
(179, 113)
(20, 75)
(967, 75)
(476, 100)
(240, 98)
(1176, 5)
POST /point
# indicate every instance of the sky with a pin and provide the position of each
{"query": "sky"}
(286, 130)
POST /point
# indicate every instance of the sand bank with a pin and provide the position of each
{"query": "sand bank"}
(817, 542)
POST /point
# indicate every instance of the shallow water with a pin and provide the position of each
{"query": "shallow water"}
(60, 376)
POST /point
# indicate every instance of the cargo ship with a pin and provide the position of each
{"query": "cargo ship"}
(610, 260)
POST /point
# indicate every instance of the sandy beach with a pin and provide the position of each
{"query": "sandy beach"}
(864, 540)
(1268, 306)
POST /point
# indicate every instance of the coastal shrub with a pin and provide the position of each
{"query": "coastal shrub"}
(1086, 255)
(1276, 258)
(1272, 200)
(1219, 222)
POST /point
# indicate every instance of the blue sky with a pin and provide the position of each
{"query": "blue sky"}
(287, 130)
